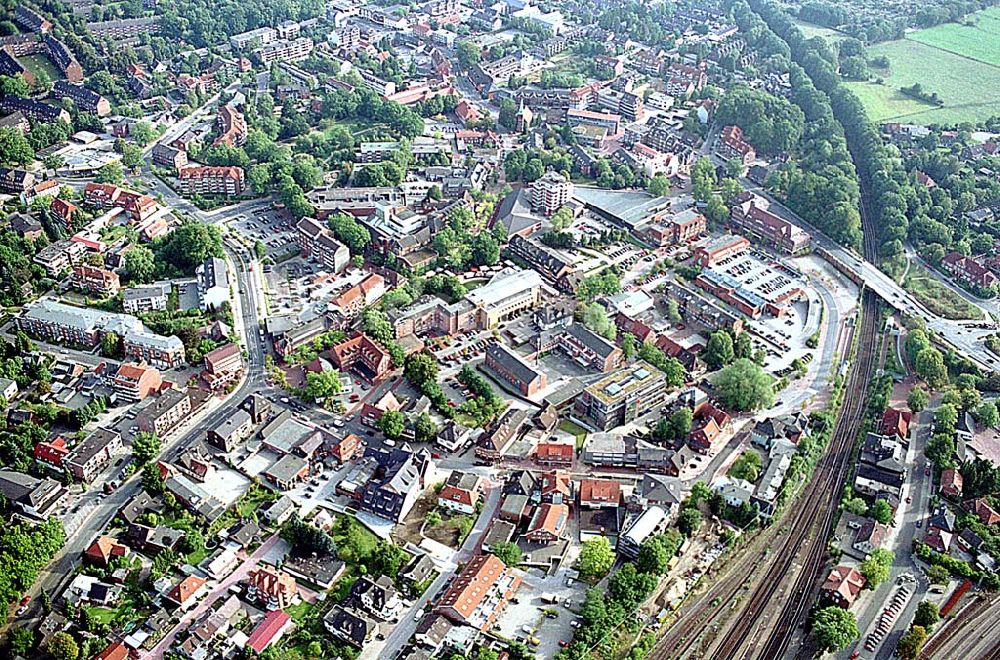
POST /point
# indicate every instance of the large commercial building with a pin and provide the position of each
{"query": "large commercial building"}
(622, 396)
(509, 293)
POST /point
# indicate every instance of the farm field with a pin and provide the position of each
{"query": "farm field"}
(980, 42)
(969, 88)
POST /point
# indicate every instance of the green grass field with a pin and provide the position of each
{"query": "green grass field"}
(960, 63)
(809, 31)
(41, 63)
(937, 297)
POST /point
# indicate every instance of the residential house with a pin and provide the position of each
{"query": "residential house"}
(271, 587)
(461, 492)
(843, 586)
(269, 631)
(951, 483)
(377, 597)
(549, 523)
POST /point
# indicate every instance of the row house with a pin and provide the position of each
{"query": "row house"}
(63, 58)
(85, 99)
(11, 66)
(166, 352)
(165, 412)
(212, 180)
(36, 110)
(968, 270)
(95, 280)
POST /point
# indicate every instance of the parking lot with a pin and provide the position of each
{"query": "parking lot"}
(530, 618)
(272, 226)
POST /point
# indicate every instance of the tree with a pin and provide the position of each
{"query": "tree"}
(938, 574)
(468, 53)
(628, 345)
(876, 567)
(689, 521)
(672, 312)
(595, 317)
(62, 646)
(986, 414)
(111, 344)
(655, 554)
(420, 368)
(743, 386)
(424, 428)
(322, 385)
(507, 552)
(719, 351)
(882, 512)
(930, 366)
(909, 645)
(917, 399)
(391, 423)
(131, 156)
(20, 641)
(14, 147)
(145, 447)
(142, 132)
(562, 219)
(747, 466)
(14, 86)
(349, 231)
(508, 114)
(188, 246)
(927, 614)
(659, 185)
(139, 264)
(596, 558)
(110, 173)
(152, 479)
(834, 628)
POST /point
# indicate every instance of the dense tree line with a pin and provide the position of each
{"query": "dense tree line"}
(874, 26)
(820, 184)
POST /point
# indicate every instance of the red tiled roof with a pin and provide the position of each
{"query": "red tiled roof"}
(266, 631)
(600, 491)
(186, 588)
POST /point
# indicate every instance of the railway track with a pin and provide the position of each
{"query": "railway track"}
(806, 532)
(969, 620)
